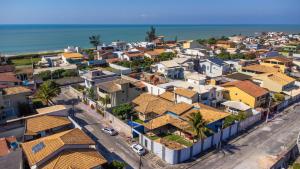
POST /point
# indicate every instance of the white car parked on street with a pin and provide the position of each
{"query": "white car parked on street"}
(109, 131)
(138, 149)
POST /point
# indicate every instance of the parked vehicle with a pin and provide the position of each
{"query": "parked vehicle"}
(109, 131)
(138, 149)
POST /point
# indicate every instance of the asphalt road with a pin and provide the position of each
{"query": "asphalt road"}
(111, 147)
(258, 149)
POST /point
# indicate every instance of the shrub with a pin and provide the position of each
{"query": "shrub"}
(279, 97)
(92, 106)
(122, 110)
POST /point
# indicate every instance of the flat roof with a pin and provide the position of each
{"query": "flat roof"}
(51, 109)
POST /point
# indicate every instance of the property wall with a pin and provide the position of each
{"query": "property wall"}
(154, 90)
(179, 156)
(118, 124)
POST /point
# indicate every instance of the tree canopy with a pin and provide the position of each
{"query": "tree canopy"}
(47, 91)
(95, 40)
(151, 34)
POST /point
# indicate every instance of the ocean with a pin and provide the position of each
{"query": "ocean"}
(17, 39)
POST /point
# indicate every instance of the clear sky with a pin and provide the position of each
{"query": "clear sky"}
(149, 11)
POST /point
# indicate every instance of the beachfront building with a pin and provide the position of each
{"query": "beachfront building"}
(214, 67)
(11, 99)
(68, 149)
(119, 91)
(246, 92)
(72, 58)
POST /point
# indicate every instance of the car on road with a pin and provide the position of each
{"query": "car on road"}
(109, 131)
(138, 149)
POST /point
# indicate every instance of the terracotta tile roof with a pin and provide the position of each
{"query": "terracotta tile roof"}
(72, 55)
(155, 52)
(168, 96)
(113, 60)
(280, 59)
(180, 108)
(134, 54)
(208, 113)
(248, 87)
(51, 109)
(238, 76)
(148, 103)
(278, 78)
(55, 143)
(16, 90)
(185, 92)
(261, 68)
(76, 159)
(45, 122)
(4, 149)
(9, 77)
(7, 68)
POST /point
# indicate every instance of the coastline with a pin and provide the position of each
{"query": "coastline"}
(32, 54)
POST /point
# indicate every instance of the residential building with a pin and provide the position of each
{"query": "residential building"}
(186, 63)
(169, 69)
(246, 92)
(153, 54)
(225, 44)
(282, 63)
(72, 58)
(68, 149)
(258, 69)
(56, 110)
(191, 44)
(235, 107)
(275, 82)
(9, 79)
(132, 54)
(96, 76)
(10, 153)
(121, 90)
(10, 100)
(214, 67)
(45, 125)
(119, 45)
(237, 76)
(196, 78)
(186, 96)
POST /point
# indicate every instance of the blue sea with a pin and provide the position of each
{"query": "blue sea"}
(16, 39)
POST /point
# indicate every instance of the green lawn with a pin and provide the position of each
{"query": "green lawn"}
(138, 121)
(153, 137)
(178, 139)
(24, 61)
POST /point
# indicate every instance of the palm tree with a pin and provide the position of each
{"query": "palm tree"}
(198, 124)
(105, 100)
(95, 40)
(47, 91)
(151, 34)
(91, 93)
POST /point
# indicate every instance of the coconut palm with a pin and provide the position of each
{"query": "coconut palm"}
(95, 40)
(91, 93)
(198, 124)
(47, 91)
(151, 34)
(104, 100)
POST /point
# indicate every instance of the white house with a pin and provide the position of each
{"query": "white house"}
(169, 69)
(213, 67)
(96, 76)
(195, 78)
(132, 54)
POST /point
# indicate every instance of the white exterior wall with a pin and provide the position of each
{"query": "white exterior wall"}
(183, 99)
(211, 70)
(154, 90)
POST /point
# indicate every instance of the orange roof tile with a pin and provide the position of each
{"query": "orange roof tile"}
(185, 92)
(248, 87)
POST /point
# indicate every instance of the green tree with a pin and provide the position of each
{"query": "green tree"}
(166, 56)
(95, 40)
(151, 35)
(224, 38)
(212, 41)
(47, 91)
(70, 73)
(91, 93)
(56, 74)
(116, 165)
(105, 100)
(198, 124)
(279, 97)
(202, 41)
(122, 110)
(45, 75)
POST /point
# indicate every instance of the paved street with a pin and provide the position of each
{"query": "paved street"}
(258, 149)
(112, 147)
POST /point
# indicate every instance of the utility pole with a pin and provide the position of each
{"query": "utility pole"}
(268, 112)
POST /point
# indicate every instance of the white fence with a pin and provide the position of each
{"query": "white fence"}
(178, 156)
